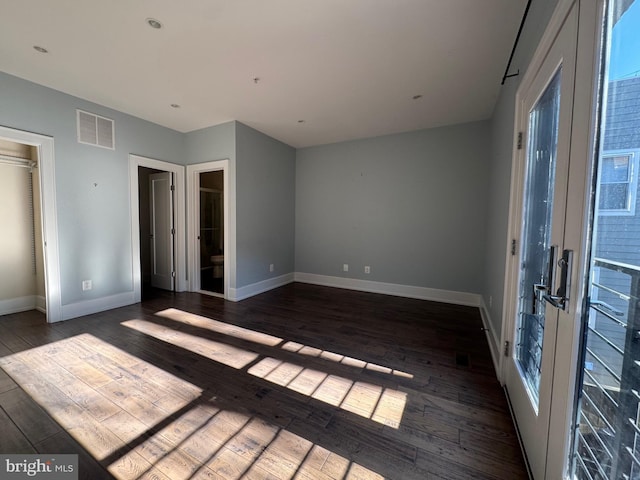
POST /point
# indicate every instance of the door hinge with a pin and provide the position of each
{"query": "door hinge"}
(519, 144)
(173, 231)
(173, 274)
(173, 188)
(507, 344)
(513, 247)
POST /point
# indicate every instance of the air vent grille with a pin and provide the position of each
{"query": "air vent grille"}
(95, 130)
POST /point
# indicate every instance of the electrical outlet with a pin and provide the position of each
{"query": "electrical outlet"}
(86, 285)
(345, 267)
(367, 269)
(490, 301)
(271, 267)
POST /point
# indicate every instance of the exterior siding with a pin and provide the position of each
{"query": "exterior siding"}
(618, 235)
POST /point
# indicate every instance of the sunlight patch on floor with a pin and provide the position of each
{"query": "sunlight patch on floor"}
(219, 327)
(336, 357)
(119, 408)
(209, 442)
(242, 333)
(217, 351)
(382, 405)
(97, 392)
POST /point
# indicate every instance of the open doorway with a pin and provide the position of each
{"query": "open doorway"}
(157, 232)
(169, 273)
(38, 149)
(22, 287)
(211, 235)
(211, 252)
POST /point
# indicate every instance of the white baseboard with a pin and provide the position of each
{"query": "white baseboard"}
(409, 291)
(15, 305)
(492, 339)
(41, 304)
(237, 294)
(88, 307)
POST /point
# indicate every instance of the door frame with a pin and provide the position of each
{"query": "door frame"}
(518, 167)
(193, 219)
(582, 152)
(558, 50)
(46, 169)
(136, 161)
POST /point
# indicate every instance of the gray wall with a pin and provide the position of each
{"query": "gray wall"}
(502, 134)
(93, 227)
(265, 206)
(262, 197)
(211, 143)
(412, 206)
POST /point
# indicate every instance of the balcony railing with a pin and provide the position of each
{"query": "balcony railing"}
(608, 430)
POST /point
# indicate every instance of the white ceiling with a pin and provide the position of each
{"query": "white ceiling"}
(348, 68)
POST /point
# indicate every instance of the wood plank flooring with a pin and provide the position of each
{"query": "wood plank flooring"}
(301, 382)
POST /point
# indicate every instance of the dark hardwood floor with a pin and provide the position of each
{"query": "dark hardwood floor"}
(300, 382)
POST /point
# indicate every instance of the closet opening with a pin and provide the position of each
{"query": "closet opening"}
(22, 283)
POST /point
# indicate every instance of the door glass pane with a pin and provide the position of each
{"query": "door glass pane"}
(606, 443)
(536, 234)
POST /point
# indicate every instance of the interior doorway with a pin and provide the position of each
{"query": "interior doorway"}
(211, 231)
(22, 287)
(141, 171)
(44, 247)
(156, 208)
(210, 236)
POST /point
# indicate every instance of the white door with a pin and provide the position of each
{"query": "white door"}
(540, 267)
(162, 230)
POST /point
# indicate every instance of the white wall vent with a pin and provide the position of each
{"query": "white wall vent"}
(95, 130)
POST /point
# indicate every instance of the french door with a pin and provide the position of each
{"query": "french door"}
(541, 261)
(572, 311)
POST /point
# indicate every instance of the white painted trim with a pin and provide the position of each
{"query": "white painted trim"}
(548, 37)
(87, 307)
(41, 304)
(237, 294)
(408, 291)
(46, 166)
(136, 161)
(193, 222)
(492, 339)
(15, 305)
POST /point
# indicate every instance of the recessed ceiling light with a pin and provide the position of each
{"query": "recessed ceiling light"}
(175, 105)
(153, 23)
(40, 49)
(416, 97)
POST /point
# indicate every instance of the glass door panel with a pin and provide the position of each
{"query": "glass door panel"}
(536, 251)
(607, 428)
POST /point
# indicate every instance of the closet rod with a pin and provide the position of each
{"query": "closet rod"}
(17, 161)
